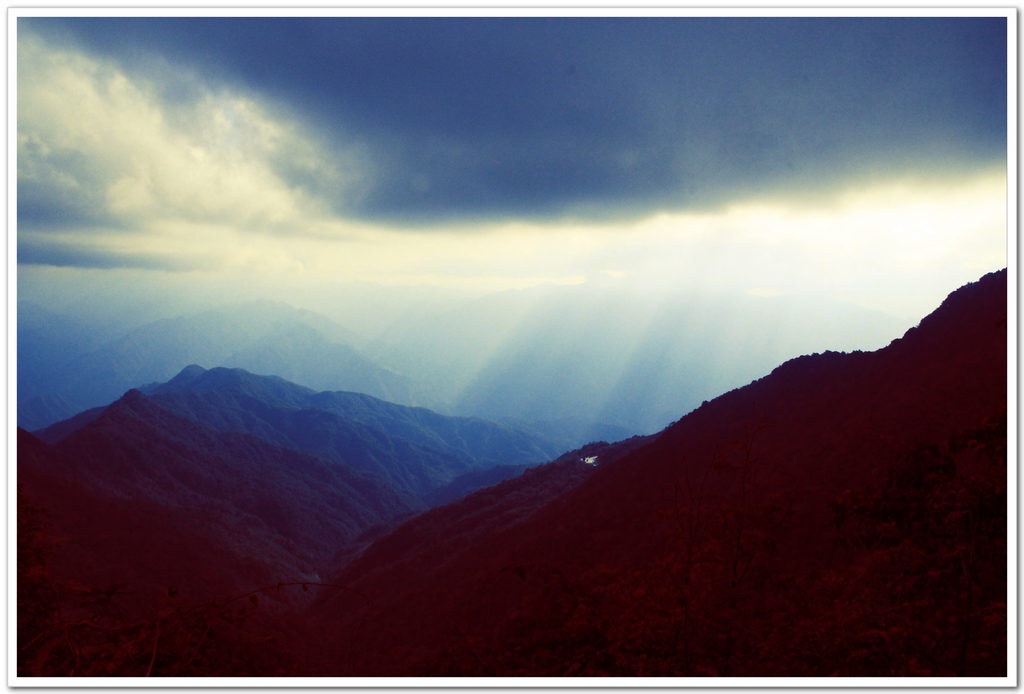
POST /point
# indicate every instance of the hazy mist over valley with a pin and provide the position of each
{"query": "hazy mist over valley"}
(601, 355)
(574, 347)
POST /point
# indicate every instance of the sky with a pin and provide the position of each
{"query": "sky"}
(862, 159)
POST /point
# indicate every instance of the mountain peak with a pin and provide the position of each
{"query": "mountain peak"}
(269, 389)
(187, 375)
(132, 396)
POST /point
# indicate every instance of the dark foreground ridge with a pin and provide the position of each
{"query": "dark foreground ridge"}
(844, 515)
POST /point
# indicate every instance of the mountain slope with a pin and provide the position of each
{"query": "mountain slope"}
(413, 449)
(466, 435)
(759, 535)
(240, 511)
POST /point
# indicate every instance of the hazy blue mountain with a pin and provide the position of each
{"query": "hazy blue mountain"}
(48, 338)
(39, 411)
(263, 335)
(574, 363)
(305, 354)
(600, 356)
(416, 450)
(47, 341)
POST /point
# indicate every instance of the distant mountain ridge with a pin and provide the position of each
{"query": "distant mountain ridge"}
(573, 363)
(417, 451)
(413, 448)
(262, 336)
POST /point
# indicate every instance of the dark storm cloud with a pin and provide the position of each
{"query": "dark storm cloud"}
(38, 250)
(545, 117)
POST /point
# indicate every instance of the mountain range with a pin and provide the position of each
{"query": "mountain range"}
(843, 515)
(572, 363)
(276, 475)
(261, 336)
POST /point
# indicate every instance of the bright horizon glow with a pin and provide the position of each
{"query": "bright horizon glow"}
(894, 247)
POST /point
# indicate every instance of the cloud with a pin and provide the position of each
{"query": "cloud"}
(100, 152)
(540, 118)
(162, 169)
(33, 250)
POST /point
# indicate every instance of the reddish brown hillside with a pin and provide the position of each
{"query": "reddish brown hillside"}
(151, 500)
(845, 514)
